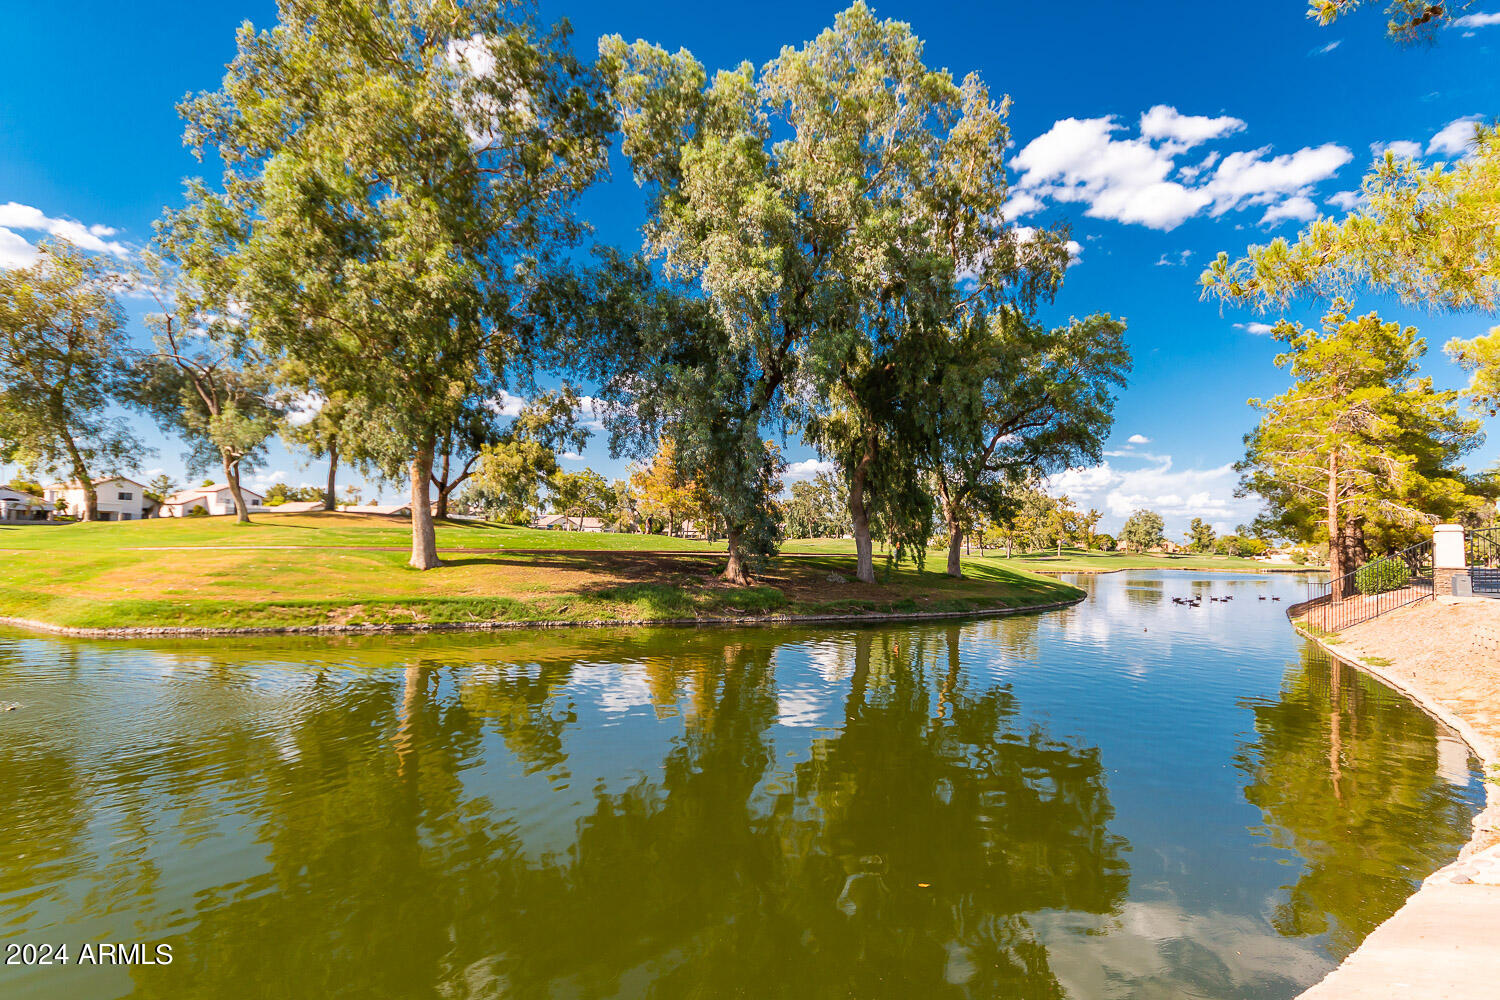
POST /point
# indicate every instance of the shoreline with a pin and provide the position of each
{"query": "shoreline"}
(1440, 943)
(172, 631)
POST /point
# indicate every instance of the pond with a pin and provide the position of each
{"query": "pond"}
(1129, 798)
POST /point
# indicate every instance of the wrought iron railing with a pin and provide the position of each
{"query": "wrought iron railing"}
(1482, 546)
(1379, 586)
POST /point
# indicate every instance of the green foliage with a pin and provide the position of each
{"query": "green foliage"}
(395, 172)
(827, 207)
(1480, 357)
(1381, 575)
(1358, 435)
(581, 494)
(280, 493)
(519, 463)
(205, 381)
(63, 359)
(1143, 531)
(817, 508)
(163, 486)
(1408, 20)
(1200, 536)
(1427, 234)
(1104, 543)
(1239, 545)
(1016, 400)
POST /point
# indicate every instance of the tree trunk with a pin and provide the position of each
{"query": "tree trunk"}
(81, 474)
(423, 534)
(1336, 568)
(735, 572)
(330, 495)
(955, 539)
(232, 475)
(442, 482)
(865, 568)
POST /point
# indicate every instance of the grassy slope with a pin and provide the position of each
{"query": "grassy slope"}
(328, 569)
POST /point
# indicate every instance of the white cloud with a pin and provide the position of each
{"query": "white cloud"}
(1299, 207)
(1323, 50)
(264, 480)
(15, 251)
(1129, 179)
(1176, 495)
(14, 215)
(806, 469)
(1250, 178)
(1259, 329)
(506, 404)
(1345, 199)
(1477, 20)
(1019, 205)
(1456, 138)
(1121, 179)
(303, 406)
(1187, 131)
(1138, 439)
(1177, 259)
(1404, 149)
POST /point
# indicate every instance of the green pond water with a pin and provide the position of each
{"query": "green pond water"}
(1129, 798)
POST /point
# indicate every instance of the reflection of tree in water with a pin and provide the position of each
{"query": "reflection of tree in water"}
(720, 875)
(1345, 774)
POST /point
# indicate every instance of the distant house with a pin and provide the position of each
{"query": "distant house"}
(559, 522)
(118, 498)
(294, 507)
(387, 509)
(18, 507)
(214, 499)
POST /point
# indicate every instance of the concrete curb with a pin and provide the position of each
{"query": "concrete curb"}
(1434, 934)
(493, 626)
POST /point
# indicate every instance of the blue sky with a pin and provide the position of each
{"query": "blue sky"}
(1163, 134)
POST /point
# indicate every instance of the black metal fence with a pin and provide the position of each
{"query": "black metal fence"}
(1482, 546)
(1379, 586)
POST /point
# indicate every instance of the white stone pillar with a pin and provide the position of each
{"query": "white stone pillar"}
(1450, 565)
(1448, 547)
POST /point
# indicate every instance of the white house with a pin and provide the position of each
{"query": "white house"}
(387, 509)
(558, 522)
(119, 499)
(212, 499)
(295, 507)
(16, 506)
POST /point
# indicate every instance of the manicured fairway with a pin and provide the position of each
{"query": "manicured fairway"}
(340, 569)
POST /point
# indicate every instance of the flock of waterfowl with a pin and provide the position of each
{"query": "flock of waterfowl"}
(1197, 601)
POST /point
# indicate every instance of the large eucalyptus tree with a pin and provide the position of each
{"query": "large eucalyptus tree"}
(63, 355)
(403, 168)
(827, 206)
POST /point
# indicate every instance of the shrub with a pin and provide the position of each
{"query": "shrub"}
(1381, 575)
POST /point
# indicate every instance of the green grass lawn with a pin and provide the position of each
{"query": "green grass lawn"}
(301, 570)
(318, 529)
